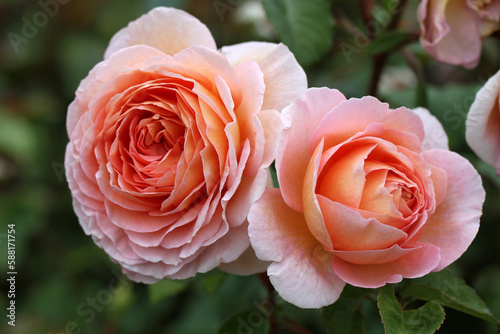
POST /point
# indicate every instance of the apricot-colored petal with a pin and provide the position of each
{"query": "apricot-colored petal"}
(483, 122)
(169, 30)
(203, 65)
(439, 179)
(312, 211)
(435, 136)
(344, 179)
(378, 256)
(455, 223)
(284, 78)
(376, 197)
(272, 125)
(355, 115)
(300, 120)
(419, 262)
(301, 270)
(348, 230)
(101, 73)
(249, 190)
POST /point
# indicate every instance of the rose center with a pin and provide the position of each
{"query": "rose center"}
(404, 200)
(156, 137)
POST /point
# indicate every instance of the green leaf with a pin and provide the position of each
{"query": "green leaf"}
(446, 289)
(252, 321)
(388, 41)
(306, 27)
(344, 316)
(165, 289)
(390, 310)
(426, 319)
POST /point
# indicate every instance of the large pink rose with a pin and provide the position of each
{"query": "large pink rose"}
(368, 195)
(170, 141)
(451, 30)
(483, 123)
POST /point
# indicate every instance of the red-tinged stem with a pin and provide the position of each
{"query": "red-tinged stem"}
(378, 65)
(270, 293)
(398, 11)
(296, 328)
(380, 59)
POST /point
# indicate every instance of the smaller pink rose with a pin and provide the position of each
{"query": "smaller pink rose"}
(368, 195)
(483, 123)
(451, 30)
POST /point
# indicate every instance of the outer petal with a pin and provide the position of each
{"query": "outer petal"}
(450, 32)
(435, 136)
(101, 73)
(167, 29)
(455, 222)
(302, 271)
(301, 118)
(246, 264)
(284, 77)
(417, 263)
(483, 122)
(355, 115)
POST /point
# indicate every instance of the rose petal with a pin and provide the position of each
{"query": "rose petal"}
(312, 211)
(435, 136)
(301, 270)
(416, 263)
(450, 32)
(483, 122)
(301, 118)
(378, 256)
(355, 115)
(349, 231)
(344, 179)
(246, 264)
(440, 182)
(169, 30)
(455, 222)
(284, 77)
(101, 73)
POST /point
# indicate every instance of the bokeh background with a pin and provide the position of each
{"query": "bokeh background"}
(66, 284)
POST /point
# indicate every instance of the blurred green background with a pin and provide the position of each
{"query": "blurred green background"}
(66, 284)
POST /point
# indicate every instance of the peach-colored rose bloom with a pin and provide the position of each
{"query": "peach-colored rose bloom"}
(368, 195)
(451, 30)
(483, 123)
(170, 141)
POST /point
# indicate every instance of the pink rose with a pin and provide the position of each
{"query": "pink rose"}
(361, 200)
(170, 141)
(483, 123)
(451, 30)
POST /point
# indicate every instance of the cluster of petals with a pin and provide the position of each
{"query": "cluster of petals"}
(451, 30)
(170, 140)
(368, 195)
